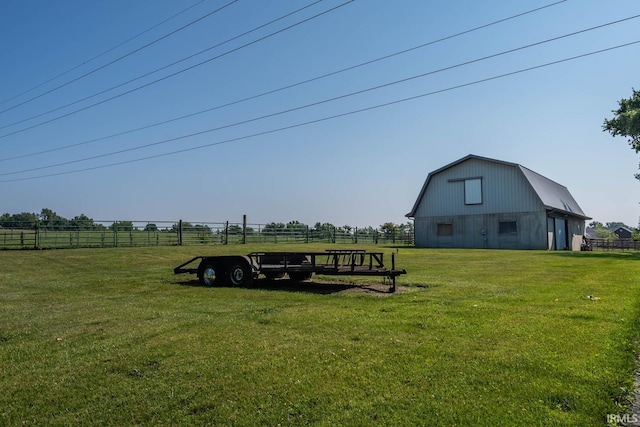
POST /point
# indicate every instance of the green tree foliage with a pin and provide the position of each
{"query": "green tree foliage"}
(23, 220)
(235, 229)
(626, 121)
(274, 228)
(52, 221)
(388, 230)
(48, 220)
(83, 222)
(151, 227)
(122, 226)
(322, 230)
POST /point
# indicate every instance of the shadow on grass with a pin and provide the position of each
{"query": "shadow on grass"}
(311, 287)
(622, 255)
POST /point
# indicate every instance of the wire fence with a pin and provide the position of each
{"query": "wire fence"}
(111, 234)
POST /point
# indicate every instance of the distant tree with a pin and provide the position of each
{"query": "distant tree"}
(52, 221)
(296, 227)
(274, 228)
(603, 233)
(626, 121)
(323, 231)
(203, 230)
(82, 222)
(388, 229)
(235, 229)
(185, 226)
(366, 231)
(5, 220)
(122, 226)
(25, 220)
(595, 224)
(151, 227)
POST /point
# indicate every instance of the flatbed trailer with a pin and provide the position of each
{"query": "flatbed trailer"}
(241, 270)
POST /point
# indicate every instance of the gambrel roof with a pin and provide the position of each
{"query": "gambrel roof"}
(554, 197)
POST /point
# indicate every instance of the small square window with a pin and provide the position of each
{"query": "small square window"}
(506, 227)
(445, 229)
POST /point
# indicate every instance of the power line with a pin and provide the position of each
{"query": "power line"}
(121, 57)
(102, 53)
(159, 69)
(329, 99)
(173, 74)
(387, 104)
(313, 104)
(288, 86)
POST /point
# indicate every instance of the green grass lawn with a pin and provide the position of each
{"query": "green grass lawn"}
(473, 337)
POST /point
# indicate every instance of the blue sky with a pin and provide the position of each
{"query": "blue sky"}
(358, 169)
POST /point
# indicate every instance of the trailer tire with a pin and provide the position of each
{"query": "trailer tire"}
(239, 274)
(208, 274)
(299, 276)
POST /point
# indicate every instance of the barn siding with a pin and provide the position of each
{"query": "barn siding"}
(515, 192)
(504, 189)
(482, 231)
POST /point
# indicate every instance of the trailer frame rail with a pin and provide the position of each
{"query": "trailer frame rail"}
(298, 266)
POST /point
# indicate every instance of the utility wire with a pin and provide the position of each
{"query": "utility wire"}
(386, 104)
(325, 100)
(103, 53)
(121, 57)
(285, 87)
(159, 69)
(173, 74)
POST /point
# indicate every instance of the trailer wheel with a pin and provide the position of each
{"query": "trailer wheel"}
(299, 276)
(239, 274)
(207, 274)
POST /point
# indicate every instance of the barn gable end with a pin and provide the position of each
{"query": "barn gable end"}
(477, 202)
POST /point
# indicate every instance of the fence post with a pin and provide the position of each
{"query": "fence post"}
(115, 234)
(356, 236)
(244, 229)
(335, 230)
(180, 232)
(226, 233)
(37, 242)
(306, 234)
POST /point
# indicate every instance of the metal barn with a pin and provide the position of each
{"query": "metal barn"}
(477, 202)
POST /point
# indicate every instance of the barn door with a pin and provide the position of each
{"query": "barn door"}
(561, 234)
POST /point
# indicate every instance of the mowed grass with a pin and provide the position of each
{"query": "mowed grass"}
(112, 337)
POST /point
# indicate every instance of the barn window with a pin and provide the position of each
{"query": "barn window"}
(473, 191)
(445, 229)
(506, 227)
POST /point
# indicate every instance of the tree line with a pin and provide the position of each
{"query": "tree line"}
(47, 219)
